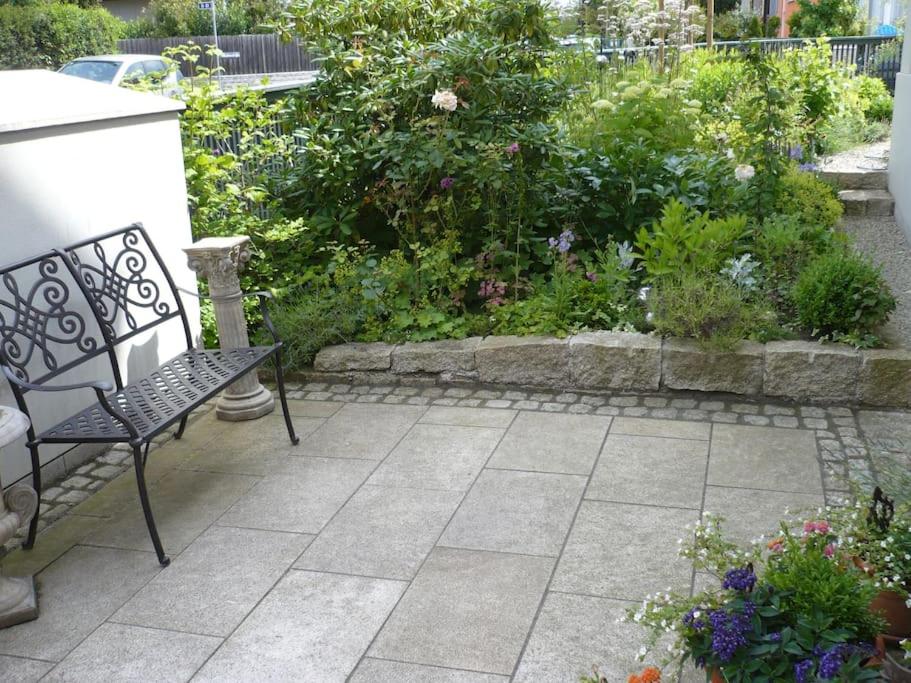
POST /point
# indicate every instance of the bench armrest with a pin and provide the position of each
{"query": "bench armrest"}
(97, 386)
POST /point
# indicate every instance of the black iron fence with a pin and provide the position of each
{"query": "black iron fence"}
(872, 55)
(245, 54)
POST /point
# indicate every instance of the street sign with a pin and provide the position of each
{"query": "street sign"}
(204, 5)
(230, 55)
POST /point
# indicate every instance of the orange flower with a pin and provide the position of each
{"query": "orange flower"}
(648, 675)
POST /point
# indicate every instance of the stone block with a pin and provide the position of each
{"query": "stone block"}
(885, 378)
(686, 365)
(450, 355)
(811, 371)
(615, 360)
(530, 361)
(355, 356)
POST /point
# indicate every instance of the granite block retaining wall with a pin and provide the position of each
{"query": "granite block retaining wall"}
(620, 361)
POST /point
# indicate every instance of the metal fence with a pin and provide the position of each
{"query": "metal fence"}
(256, 54)
(872, 55)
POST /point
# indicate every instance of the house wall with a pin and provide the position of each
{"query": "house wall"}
(63, 183)
(900, 153)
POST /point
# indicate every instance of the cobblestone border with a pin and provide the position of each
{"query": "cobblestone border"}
(843, 450)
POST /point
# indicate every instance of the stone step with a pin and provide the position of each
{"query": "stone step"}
(867, 202)
(857, 180)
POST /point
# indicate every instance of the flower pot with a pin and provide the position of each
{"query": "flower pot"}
(895, 667)
(717, 676)
(890, 605)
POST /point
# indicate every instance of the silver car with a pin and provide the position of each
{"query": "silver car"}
(118, 69)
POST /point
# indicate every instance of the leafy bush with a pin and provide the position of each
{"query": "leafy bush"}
(167, 18)
(710, 309)
(812, 201)
(46, 35)
(686, 241)
(825, 18)
(875, 100)
(843, 295)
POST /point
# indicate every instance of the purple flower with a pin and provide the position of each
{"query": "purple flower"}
(775, 637)
(447, 182)
(802, 670)
(808, 167)
(739, 580)
(591, 277)
(796, 152)
(563, 243)
(513, 149)
(728, 633)
(831, 661)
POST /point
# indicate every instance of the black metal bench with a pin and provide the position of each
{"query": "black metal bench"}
(64, 308)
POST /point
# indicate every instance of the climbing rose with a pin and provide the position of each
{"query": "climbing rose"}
(445, 100)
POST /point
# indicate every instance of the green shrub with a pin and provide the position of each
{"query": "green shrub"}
(167, 18)
(875, 100)
(46, 35)
(825, 18)
(809, 199)
(686, 241)
(843, 295)
(710, 309)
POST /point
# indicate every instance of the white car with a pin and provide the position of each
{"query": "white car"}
(117, 69)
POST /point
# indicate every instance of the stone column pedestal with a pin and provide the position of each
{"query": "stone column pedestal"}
(219, 260)
(18, 504)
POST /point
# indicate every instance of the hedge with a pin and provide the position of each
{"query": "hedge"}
(48, 35)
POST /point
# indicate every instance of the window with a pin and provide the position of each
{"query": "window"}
(103, 72)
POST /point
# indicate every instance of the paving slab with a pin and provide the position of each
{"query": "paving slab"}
(19, 670)
(311, 627)
(384, 671)
(650, 470)
(750, 513)
(49, 545)
(76, 594)
(255, 448)
(313, 409)
(466, 609)
(116, 652)
(302, 498)
(383, 532)
(764, 458)
(575, 633)
(468, 417)
(184, 504)
(518, 512)
(361, 431)
(446, 457)
(673, 429)
(211, 586)
(610, 543)
(540, 442)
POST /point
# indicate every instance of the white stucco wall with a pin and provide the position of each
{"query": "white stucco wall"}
(78, 159)
(900, 153)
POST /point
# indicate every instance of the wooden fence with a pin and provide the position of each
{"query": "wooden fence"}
(257, 54)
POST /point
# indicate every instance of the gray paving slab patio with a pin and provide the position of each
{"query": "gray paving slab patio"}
(414, 542)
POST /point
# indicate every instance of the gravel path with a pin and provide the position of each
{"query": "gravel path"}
(884, 241)
(872, 157)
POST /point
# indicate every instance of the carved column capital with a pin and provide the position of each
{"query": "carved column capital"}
(219, 260)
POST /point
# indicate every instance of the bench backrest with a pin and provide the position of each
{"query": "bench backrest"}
(63, 308)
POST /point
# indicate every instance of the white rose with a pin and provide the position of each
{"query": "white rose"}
(445, 99)
(744, 172)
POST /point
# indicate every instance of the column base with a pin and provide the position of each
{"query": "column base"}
(247, 406)
(26, 608)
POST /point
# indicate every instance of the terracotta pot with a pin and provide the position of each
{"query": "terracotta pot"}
(717, 677)
(894, 665)
(890, 605)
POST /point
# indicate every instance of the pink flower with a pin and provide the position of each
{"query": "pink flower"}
(513, 149)
(592, 277)
(822, 527)
(829, 550)
(809, 527)
(776, 547)
(447, 183)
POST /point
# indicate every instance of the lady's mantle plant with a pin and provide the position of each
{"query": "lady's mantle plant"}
(790, 612)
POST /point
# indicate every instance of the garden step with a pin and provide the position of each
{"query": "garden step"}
(857, 180)
(867, 202)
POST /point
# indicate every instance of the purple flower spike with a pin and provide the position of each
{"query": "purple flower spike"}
(447, 183)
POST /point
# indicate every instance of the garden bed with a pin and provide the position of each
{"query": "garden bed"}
(805, 371)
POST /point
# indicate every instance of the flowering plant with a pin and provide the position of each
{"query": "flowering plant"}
(788, 612)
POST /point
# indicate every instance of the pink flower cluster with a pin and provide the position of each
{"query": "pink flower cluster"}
(820, 527)
(493, 291)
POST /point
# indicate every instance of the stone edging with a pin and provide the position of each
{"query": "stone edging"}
(622, 361)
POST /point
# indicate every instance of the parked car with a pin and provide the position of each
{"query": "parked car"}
(119, 69)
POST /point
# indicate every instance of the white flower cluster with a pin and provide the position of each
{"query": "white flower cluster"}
(445, 100)
(638, 23)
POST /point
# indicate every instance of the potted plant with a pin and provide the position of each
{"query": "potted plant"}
(789, 612)
(877, 537)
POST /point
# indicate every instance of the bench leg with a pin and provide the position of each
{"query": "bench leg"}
(146, 507)
(280, 381)
(181, 427)
(36, 484)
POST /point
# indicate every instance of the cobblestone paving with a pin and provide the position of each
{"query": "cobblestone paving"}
(457, 533)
